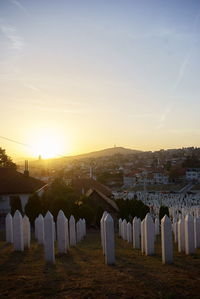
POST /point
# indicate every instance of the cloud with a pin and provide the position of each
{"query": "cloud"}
(19, 5)
(32, 87)
(16, 41)
(163, 117)
(188, 55)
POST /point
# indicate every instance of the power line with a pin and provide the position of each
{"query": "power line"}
(14, 141)
(24, 144)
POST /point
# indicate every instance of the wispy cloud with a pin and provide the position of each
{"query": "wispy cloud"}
(32, 87)
(163, 116)
(19, 5)
(188, 55)
(16, 41)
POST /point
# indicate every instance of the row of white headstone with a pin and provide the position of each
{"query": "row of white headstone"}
(187, 233)
(108, 238)
(142, 234)
(18, 232)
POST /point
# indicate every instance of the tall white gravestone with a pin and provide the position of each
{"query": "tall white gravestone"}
(166, 240)
(181, 235)
(18, 238)
(142, 236)
(136, 233)
(40, 229)
(72, 231)
(189, 234)
(102, 226)
(197, 232)
(157, 226)
(149, 235)
(61, 232)
(120, 228)
(129, 232)
(49, 238)
(9, 228)
(26, 232)
(109, 240)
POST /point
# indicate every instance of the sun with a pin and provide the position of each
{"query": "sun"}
(47, 144)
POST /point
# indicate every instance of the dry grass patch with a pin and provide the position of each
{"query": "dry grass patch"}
(82, 273)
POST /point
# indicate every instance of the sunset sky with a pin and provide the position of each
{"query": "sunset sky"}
(90, 74)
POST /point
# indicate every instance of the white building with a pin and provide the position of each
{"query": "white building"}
(193, 174)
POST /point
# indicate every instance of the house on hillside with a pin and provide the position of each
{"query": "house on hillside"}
(14, 183)
(192, 174)
(101, 197)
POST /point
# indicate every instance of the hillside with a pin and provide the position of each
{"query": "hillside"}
(96, 154)
(107, 152)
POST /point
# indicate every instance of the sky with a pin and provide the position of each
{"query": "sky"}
(93, 74)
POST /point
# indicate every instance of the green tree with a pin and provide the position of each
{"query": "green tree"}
(15, 204)
(5, 160)
(130, 208)
(59, 196)
(33, 207)
(163, 211)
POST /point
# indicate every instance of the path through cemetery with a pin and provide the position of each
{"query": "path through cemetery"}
(82, 273)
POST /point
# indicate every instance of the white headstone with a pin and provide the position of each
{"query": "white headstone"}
(120, 228)
(36, 228)
(129, 232)
(197, 232)
(72, 231)
(136, 233)
(102, 227)
(26, 232)
(181, 235)
(124, 229)
(9, 228)
(157, 226)
(62, 232)
(166, 237)
(49, 238)
(84, 227)
(142, 236)
(40, 229)
(54, 230)
(18, 238)
(109, 240)
(149, 235)
(189, 234)
(78, 231)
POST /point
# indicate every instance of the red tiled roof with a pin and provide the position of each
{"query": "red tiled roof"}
(14, 182)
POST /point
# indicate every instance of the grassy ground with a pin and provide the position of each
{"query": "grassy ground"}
(82, 273)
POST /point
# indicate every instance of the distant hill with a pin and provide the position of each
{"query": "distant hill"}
(107, 152)
(96, 154)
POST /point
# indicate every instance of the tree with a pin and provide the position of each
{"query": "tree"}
(33, 207)
(130, 208)
(163, 211)
(5, 160)
(59, 196)
(15, 204)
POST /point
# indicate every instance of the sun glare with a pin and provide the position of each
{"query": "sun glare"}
(47, 144)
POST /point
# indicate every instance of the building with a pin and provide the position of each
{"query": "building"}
(193, 174)
(14, 183)
(160, 177)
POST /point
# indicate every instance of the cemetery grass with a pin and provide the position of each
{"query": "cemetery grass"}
(82, 273)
